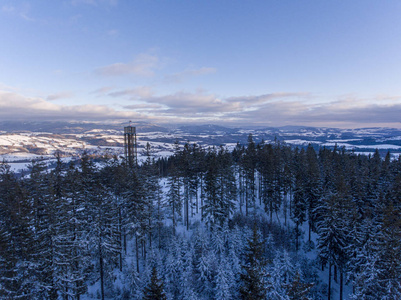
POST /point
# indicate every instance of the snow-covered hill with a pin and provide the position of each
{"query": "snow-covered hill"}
(24, 141)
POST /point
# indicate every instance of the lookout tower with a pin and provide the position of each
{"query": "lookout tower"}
(130, 145)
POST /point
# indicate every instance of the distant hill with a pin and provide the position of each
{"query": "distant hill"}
(24, 139)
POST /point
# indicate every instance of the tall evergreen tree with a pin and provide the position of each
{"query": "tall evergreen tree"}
(253, 275)
(220, 188)
(42, 198)
(155, 290)
(249, 162)
(16, 238)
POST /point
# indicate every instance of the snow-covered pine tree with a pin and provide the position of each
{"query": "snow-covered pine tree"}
(41, 196)
(15, 238)
(332, 231)
(219, 187)
(249, 163)
(254, 274)
(299, 204)
(71, 260)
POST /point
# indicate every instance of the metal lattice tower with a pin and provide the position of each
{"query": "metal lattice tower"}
(130, 145)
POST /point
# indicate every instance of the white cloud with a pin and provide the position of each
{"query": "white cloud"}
(264, 110)
(276, 109)
(57, 96)
(135, 93)
(14, 106)
(262, 99)
(102, 91)
(195, 104)
(143, 65)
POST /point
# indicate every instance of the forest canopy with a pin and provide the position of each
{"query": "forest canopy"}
(264, 221)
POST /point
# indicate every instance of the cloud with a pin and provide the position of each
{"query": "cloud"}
(143, 65)
(57, 96)
(8, 8)
(102, 91)
(135, 93)
(180, 76)
(195, 104)
(261, 99)
(148, 108)
(23, 10)
(14, 106)
(341, 113)
(275, 109)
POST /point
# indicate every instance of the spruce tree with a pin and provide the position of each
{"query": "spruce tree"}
(220, 190)
(253, 273)
(155, 290)
(298, 290)
(42, 199)
(16, 238)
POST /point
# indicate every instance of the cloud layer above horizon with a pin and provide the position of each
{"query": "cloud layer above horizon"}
(264, 110)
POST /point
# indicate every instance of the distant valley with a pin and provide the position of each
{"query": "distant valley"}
(22, 142)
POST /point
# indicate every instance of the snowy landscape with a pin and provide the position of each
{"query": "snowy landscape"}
(301, 218)
(20, 143)
(200, 150)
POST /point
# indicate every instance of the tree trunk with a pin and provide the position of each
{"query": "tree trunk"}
(246, 199)
(187, 212)
(121, 238)
(335, 273)
(240, 192)
(271, 210)
(174, 217)
(196, 198)
(285, 209)
(101, 270)
(150, 233)
(125, 242)
(137, 253)
(202, 196)
(329, 289)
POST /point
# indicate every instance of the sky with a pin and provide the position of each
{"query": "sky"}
(227, 62)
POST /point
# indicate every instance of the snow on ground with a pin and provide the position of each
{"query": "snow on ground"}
(301, 142)
(22, 156)
(383, 146)
(393, 138)
(350, 146)
(344, 141)
(18, 167)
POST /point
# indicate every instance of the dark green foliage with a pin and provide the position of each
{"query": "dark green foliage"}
(15, 238)
(298, 290)
(220, 190)
(253, 274)
(155, 290)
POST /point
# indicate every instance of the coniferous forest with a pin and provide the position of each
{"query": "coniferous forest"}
(264, 221)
